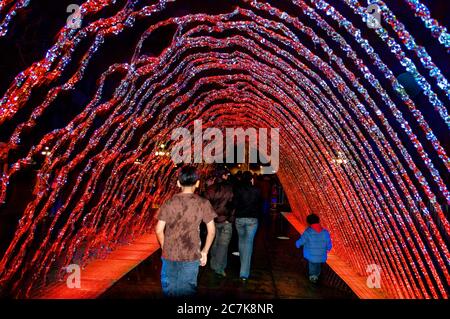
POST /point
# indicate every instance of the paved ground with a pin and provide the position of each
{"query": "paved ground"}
(278, 271)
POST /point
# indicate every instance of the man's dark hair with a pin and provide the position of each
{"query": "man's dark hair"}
(312, 219)
(188, 176)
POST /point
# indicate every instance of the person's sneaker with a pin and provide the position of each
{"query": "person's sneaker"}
(244, 279)
(313, 279)
(221, 273)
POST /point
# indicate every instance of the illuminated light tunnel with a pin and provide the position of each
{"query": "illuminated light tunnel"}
(362, 113)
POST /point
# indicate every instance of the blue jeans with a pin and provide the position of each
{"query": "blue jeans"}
(314, 268)
(219, 248)
(246, 228)
(179, 278)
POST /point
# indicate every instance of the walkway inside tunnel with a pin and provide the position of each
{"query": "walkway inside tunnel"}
(278, 271)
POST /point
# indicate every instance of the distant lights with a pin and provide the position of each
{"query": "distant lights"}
(46, 151)
(161, 153)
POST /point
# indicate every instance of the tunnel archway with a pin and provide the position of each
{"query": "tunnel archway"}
(357, 144)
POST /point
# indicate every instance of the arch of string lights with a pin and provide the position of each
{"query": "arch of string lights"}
(312, 68)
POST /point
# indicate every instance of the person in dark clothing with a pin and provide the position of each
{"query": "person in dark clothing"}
(220, 195)
(247, 203)
(263, 183)
(238, 177)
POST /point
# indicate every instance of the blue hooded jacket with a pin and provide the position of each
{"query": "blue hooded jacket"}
(316, 245)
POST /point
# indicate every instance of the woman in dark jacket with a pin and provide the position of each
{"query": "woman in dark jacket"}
(220, 195)
(248, 205)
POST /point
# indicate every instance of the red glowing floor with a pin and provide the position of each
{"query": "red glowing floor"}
(99, 275)
(132, 271)
(278, 271)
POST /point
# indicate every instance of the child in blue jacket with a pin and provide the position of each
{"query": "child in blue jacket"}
(316, 242)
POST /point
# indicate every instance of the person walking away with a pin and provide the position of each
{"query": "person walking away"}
(220, 196)
(178, 233)
(262, 182)
(316, 242)
(248, 205)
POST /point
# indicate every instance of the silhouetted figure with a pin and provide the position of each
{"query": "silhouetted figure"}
(247, 202)
(316, 242)
(264, 184)
(238, 176)
(178, 233)
(220, 196)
